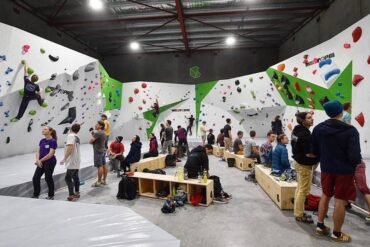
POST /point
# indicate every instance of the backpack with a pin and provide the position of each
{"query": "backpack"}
(251, 177)
(127, 188)
(168, 207)
(170, 160)
(231, 162)
(155, 171)
(312, 202)
(217, 187)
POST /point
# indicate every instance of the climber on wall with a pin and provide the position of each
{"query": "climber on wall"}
(155, 108)
(31, 91)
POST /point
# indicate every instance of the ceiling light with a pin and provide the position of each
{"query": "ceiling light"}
(230, 40)
(96, 4)
(134, 46)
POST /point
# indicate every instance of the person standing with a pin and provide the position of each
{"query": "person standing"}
(304, 163)
(238, 143)
(251, 148)
(227, 135)
(183, 141)
(337, 146)
(190, 126)
(45, 163)
(277, 126)
(347, 108)
(168, 135)
(280, 158)
(221, 138)
(153, 147)
(98, 142)
(162, 134)
(203, 132)
(133, 155)
(210, 137)
(266, 149)
(115, 154)
(104, 118)
(72, 161)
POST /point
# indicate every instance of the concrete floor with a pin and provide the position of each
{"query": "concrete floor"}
(249, 219)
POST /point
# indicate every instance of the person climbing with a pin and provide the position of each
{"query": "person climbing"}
(277, 126)
(280, 158)
(72, 160)
(197, 163)
(266, 149)
(104, 118)
(221, 138)
(337, 146)
(161, 134)
(31, 91)
(153, 147)
(115, 154)
(203, 132)
(155, 108)
(98, 141)
(168, 135)
(238, 143)
(347, 107)
(227, 135)
(134, 154)
(189, 129)
(210, 137)
(45, 163)
(304, 163)
(251, 148)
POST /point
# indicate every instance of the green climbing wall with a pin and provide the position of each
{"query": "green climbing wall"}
(309, 94)
(201, 91)
(148, 115)
(111, 89)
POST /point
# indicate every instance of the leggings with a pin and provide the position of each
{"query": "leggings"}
(48, 169)
(25, 101)
(72, 174)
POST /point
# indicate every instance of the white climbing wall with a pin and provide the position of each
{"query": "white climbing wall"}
(79, 93)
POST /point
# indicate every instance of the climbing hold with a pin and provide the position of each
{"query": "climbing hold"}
(53, 58)
(275, 76)
(289, 94)
(323, 100)
(118, 92)
(70, 117)
(357, 79)
(360, 119)
(340, 83)
(295, 69)
(356, 34)
(239, 90)
(331, 74)
(144, 101)
(2, 58)
(296, 86)
(136, 91)
(299, 100)
(237, 82)
(314, 71)
(75, 75)
(23, 62)
(42, 50)
(64, 107)
(305, 56)
(140, 108)
(30, 70)
(253, 94)
(29, 129)
(25, 49)
(290, 127)
(32, 112)
(261, 77)
(346, 45)
(295, 74)
(90, 67)
(325, 62)
(368, 60)
(21, 92)
(281, 67)
(53, 76)
(130, 99)
(7, 140)
(8, 70)
(143, 85)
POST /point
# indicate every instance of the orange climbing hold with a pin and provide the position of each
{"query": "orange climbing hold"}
(296, 86)
(356, 34)
(281, 67)
(290, 127)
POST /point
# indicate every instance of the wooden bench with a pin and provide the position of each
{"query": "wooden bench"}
(150, 184)
(218, 151)
(281, 192)
(241, 162)
(150, 163)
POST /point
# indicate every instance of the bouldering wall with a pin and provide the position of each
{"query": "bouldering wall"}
(69, 83)
(336, 69)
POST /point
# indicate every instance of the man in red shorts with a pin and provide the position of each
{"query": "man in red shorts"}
(337, 146)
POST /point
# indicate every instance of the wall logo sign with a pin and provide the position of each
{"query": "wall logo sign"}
(180, 110)
(195, 72)
(317, 60)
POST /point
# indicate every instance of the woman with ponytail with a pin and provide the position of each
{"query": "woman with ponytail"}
(45, 162)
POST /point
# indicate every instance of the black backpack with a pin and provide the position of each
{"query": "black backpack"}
(155, 171)
(170, 160)
(127, 188)
(231, 162)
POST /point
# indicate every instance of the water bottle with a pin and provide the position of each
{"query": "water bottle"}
(205, 176)
(186, 174)
(180, 174)
(199, 178)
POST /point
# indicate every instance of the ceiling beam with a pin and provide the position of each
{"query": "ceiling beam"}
(181, 19)
(58, 11)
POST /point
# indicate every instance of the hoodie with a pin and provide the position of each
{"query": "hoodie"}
(302, 145)
(337, 145)
(280, 160)
(197, 162)
(135, 153)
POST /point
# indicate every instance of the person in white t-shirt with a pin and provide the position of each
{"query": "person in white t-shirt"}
(72, 160)
(203, 132)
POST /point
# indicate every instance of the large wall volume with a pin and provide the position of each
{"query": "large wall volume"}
(69, 82)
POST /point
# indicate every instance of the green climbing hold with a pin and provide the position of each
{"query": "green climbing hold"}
(253, 95)
(21, 92)
(44, 104)
(195, 72)
(23, 62)
(241, 121)
(14, 119)
(30, 71)
(32, 112)
(48, 90)
(251, 79)
(42, 50)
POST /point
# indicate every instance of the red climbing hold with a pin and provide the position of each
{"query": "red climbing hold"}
(143, 85)
(314, 71)
(360, 119)
(136, 91)
(140, 108)
(356, 34)
(130, 99)
(281, 67)
(295, 69)
(315, 60)
(297, 87)
(368, 60)
(357, 79)
(305, 61)
(346, 45)
(25, 48)
(295, 74)
(305, 56)
(144, 101)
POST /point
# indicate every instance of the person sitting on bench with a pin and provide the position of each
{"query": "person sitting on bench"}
(251, 148)
(115, 153)
(280, 160)
(134, 155)
(238, 143)
(153, 147)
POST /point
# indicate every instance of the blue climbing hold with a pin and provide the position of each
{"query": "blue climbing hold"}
(7, 113)
(337, 93)
(8, 83)
(325, 62)
(332, 73)
(1, 103)
(340, 83)
(2, 57)
(8, 70)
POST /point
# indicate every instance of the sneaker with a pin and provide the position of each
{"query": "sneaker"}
(71, 198)
(367, 220)
(35, 197)
(96, 184)
(103, 182)
(226, 196)
(349, 206)
(76, 195)
(219, 200)
(49, 198)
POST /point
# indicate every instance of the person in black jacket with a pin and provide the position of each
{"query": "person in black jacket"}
(198, 162)
(304, 163)
(211, 137)
(277, 126)
(337, 146)
(134, 154)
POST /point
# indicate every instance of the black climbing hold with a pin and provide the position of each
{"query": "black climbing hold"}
(323, 100)
(53, 58)
(285, 82)
(299, 100)
(90, 67)
(29, 129)
(289, 94)
(64, 107)
(275, 76)
(53, 76)
(239, 90)
(237, 82)
(66, 130)
(71, 116)
(7, 140)
(75, 75)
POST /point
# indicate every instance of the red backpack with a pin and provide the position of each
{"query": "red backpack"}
(312, 202)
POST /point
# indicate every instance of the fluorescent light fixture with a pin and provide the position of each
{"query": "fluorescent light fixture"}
(96, 4)
(134, 46)
(230, 40)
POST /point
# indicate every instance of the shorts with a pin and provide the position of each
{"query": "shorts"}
(340, 186)
(99, 159)
(203, 138)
